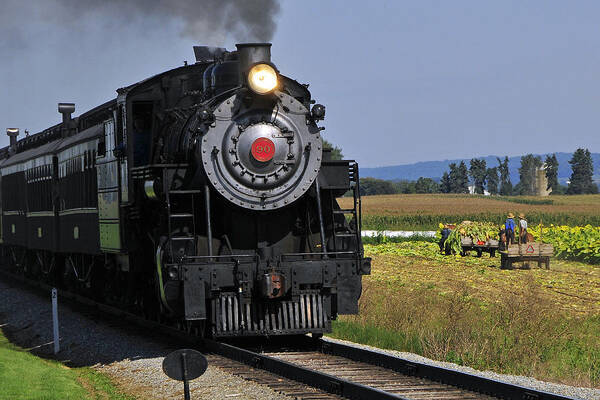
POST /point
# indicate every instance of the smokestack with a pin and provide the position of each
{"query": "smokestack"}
(12, 134)
(66, 109)
(253, 53)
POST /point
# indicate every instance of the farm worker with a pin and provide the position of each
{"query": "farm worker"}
(509, 228)
(445, 233)
(523, 228)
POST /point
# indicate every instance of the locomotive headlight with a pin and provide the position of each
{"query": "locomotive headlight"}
(262, 78)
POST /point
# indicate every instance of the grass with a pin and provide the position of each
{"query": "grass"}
(425, 211)
(26, 376)
(541, 323)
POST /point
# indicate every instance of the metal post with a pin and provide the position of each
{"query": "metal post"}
(320, 210)
(541, 238)
(186, 384)
(208, 227)
(55, 320)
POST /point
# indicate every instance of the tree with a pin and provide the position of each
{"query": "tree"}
(445, 186)
(452, 176)
(491, 176)
(527, 174)
(373, 186)
(336, 152)
(583, 170)
(478, 171)
(552, 173)
(505, 183)
(406, 187)
(426, 185)
(459, 178)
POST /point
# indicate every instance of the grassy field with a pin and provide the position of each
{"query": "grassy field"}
(425, 211)
(541, 323)
(25, 376)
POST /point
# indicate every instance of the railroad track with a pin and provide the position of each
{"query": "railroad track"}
(356, 373)
(306, 368)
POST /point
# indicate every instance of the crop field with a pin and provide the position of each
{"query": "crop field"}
(536, 322)
(425, 211)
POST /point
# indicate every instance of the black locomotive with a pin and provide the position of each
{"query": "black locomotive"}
(201, 197)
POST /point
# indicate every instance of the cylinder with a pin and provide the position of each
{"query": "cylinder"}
(253, 53)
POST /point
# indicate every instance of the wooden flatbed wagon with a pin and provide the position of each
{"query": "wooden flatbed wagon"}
(468, 244)
(526, 252)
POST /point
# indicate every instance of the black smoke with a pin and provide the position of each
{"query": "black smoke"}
(81, 51)
(205, 21)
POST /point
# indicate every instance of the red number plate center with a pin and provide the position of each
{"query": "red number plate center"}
(263, 149)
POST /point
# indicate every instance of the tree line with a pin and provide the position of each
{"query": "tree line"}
(496, 180)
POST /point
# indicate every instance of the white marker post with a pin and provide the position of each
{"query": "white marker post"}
(55, 320)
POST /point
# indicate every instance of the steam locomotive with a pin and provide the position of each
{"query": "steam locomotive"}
(201, 197)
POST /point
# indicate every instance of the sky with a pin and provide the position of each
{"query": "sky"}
(403, 81)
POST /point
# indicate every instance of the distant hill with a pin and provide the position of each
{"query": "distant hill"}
(435, 169)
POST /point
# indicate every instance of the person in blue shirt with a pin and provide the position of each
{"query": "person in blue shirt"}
(509, 228)
(442, 243)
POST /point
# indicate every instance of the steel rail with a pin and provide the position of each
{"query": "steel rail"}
(455, 378)
(313, 378)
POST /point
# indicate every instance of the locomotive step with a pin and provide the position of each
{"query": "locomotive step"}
(178, 238)
(344, 211)
(182, 215)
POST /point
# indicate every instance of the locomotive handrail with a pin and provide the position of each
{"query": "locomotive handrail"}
(143, 167)
(338, 253)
